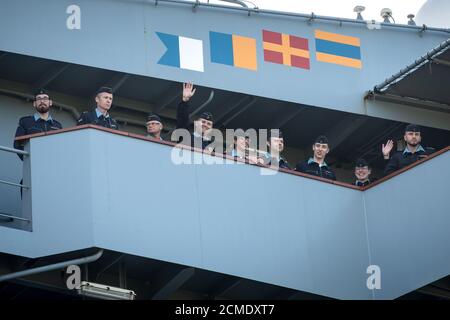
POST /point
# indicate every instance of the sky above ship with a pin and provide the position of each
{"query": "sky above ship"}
(342, 8)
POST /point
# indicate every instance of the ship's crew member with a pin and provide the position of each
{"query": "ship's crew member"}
(154, 126)
(100, 116)
(275, 144)
(241, 145)
(362, 173)
(41, 121)
(412, 152)
(201, 134)
(241, 149)
(316, 165)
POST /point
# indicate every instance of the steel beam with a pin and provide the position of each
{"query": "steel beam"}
(52, 73)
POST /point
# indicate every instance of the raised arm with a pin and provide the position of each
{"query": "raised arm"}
(183, 106)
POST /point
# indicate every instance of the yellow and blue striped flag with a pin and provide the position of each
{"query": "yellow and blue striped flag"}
(338, 49)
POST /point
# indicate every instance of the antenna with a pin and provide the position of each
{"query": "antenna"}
(386, 13)
(411, 21)
(358, 10)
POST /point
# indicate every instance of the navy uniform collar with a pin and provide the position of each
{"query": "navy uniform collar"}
(419, 148)
(311, 160)
(37, 116)
(198, 135)
(279, 158)
(99, 113)
(360, 183)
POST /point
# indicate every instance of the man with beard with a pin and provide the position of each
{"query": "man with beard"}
(316, 165)
(412, 153)
(100, 116)
(41, 121)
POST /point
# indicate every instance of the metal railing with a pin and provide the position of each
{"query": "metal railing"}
(17, 151)
(55, 266)
(306, 17)
(10, 218)
(6, 217)
(14, 184)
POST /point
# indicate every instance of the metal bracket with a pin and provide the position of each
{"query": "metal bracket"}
(250, 10)
(196, 4)
(424, 28)
(369, 95)
(311, 18)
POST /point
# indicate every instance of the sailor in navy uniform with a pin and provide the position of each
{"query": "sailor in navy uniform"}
(100, 116)
(203, 124)
(154, 126)
(41, 121)
(316, 165)
(362, 173)
(276, 147)
(412, 152)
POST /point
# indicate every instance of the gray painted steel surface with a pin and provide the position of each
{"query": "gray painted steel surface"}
(125, 194)
(121, 36)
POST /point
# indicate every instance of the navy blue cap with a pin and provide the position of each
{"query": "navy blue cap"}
(361, 163)
(321, 139)
(153, 117)
(239, 133)
(40, 91)
(206, 115)
(104, 89)
(412, 128)
(280, 134)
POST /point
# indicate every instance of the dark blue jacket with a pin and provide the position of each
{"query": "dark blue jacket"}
(401, 159)
(29, 125)
(184, 123)
(90, 117)
(313, 168)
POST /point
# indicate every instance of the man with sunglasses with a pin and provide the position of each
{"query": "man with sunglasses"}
(41, 121)
(154, 126)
